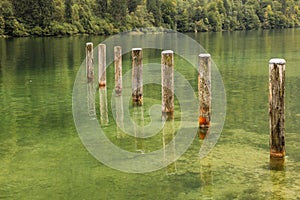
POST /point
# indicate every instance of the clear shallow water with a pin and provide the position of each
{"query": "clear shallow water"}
(42, 157)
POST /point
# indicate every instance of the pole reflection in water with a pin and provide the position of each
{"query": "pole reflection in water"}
(138, 117)
(206, 175)
(91, 99)
(203, 132)
(278, 181)
(277, 164)
(119, 116)
(169, 152)
(103, 106)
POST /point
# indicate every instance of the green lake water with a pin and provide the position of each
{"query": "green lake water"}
(42, 156)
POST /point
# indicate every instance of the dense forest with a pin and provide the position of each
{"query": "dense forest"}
(105, 17)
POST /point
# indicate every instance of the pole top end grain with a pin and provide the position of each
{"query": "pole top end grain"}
(278, 61)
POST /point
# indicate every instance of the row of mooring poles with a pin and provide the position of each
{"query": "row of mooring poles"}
(101, 80)
(276, 106)
(276, 91)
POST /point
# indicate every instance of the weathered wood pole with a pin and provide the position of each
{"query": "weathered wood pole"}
(118, 69)
(89, 62)
(90, 79)
(167, 71)
(102, 65)
(137, 76)
(276, 108)
(204, 91)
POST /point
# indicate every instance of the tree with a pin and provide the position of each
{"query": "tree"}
(132, 5)
(182, 20)
(250, 20)
(169, 13)
(154, 7)
(269, 18)
(6, 15)
(68, 10)
(141, 18)
(118, 10)
(214, 17)
(214, 20)
(102, 7)
(227, 7)
(59, 10)
(66, 17)
(34, 13)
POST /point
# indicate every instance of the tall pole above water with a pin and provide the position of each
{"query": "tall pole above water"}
(204, 93)
(167, 70)
(118, 69)
(102, 65)
(89, 62)
(277, 108)
(90, 79)
(137, 76)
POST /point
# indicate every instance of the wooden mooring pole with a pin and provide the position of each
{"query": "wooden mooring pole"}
(118, 69)
(89, 62)
(276, 109)
(137, 76)
(90, 79)
(204, 94)
(167, 72)
(102, 65)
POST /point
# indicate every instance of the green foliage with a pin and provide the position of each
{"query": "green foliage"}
(118, 10)
(132, 5)
(6, 9)
(104, 17)
(16, 28)
(56, 28)
(34, 13)
(59, 10)
(68, 10)
(140, 18)
(102, 7)
(154, 7)
(169, 12)
(183, 20)
(2, 25)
